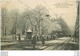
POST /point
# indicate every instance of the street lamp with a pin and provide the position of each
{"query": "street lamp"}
(40, 26)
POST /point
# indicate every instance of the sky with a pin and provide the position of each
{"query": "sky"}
(67, 9)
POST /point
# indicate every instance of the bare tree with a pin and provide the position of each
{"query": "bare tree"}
(15, 17)
(39, 17)
(4, 13)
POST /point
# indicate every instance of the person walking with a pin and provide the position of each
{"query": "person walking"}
(34, 42)
(19, 37)
(43, 40)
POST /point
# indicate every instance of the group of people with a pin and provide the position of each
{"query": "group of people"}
(34, 40)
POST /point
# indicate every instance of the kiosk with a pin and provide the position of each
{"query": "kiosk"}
(29, 34)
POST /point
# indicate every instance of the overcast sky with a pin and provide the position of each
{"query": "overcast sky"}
(64, 8)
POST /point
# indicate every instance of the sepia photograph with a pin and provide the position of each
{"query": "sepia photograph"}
(40, 25)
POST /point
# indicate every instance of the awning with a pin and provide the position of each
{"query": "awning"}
(29, 30)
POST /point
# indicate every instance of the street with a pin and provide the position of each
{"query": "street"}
(64, 43)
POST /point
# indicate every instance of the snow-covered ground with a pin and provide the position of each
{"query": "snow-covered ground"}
(57, 44)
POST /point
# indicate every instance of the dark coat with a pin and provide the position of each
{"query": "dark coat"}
(34, 40)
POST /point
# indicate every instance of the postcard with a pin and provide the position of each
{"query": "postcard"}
(40, 25)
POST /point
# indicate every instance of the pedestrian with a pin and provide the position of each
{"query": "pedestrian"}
(43, 40)
(47, 37)
(19, 37)
(34, 41)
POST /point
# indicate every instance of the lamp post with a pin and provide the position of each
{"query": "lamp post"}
(40, 27)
